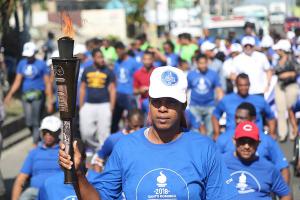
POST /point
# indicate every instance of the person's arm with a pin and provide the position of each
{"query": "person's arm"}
(86, 190)
(48, 92)
(219, 93)
(14, 88)
(82, 91)
(18, 185)
(288, 197)
(112, 95)
(272, 128)
(216, 127)
(285, 173)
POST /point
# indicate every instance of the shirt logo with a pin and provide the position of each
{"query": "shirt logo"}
(247, 127)
(246, 183)
(169, 78)
(72, 197)
(161, 180)
(30, 71)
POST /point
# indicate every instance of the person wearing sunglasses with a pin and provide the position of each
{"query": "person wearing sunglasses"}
(41, 162)
(254, 177)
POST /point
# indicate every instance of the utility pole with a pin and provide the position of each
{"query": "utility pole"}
(204, 4)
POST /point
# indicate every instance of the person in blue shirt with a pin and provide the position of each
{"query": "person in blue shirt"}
(253, 176)
(124, 69)
(249, 29)
(134, 121)
(41, 162)
(34, 76)
(145, 164)
(203, 83)
(268, 147)
(231, 101)
(172, 58)
(54, 188)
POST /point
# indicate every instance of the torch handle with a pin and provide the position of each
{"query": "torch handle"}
(68, 142)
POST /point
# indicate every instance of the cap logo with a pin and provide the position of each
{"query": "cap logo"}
(169, 78)
(247, 127)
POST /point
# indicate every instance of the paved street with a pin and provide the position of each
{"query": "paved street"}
(13, 158)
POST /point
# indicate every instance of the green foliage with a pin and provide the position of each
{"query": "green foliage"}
(136, 13)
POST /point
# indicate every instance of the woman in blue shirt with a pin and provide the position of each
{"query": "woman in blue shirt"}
(163, 161)
(34, 76)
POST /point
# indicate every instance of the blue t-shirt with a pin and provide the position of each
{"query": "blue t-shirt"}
(191, 120)
(257, 179)
(33, 74)
(203, 85)
(97, 81)
(172, 59)
(209, 38)
(40, 164)
(124, 70)
(230, 102)
(109, 144)
(87, 63)
(55, 189)
(176, 170)
(268, 148)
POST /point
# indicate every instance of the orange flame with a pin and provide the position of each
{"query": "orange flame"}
(67, 28)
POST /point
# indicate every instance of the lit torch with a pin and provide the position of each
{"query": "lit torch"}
(66, 74)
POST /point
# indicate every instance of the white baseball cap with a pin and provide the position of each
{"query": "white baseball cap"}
(236, 47)
(207, 46)
(267, 41)
(29, 49)
(51, 123)
(282, 44)
(170, 82)
(248, 40)
(79, 49)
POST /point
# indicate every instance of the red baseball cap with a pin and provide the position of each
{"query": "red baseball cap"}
(247, 129)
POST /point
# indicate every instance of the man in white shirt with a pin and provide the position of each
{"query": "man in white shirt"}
(255, 65)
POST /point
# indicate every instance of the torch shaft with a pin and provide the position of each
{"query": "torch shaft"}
(68, 141)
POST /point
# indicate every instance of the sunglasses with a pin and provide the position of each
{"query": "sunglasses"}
(249, 45)
(243, 141)
(44, 132)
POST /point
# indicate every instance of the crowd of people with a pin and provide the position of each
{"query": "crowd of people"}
(215, 109)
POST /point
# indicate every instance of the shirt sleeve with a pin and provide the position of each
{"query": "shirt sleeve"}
(266, 64)
(109, 183)
(219, 109)
(106, 149)
(267, 110)
(276, 155)
(279, 186)
(28, 164)
(219, 184)
(220, 143)
(19, 67)
(83, 77)
(217, 78)
(136, 83)
(46, 69)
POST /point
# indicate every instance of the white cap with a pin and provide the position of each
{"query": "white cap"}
(29, 49)
(236, 47)
(290, 35)
(207, 46)
(170, 82)
(267, 41)
(248, 40)
(53, 55)
(282, 44)
(51, 123)
(79, 49)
